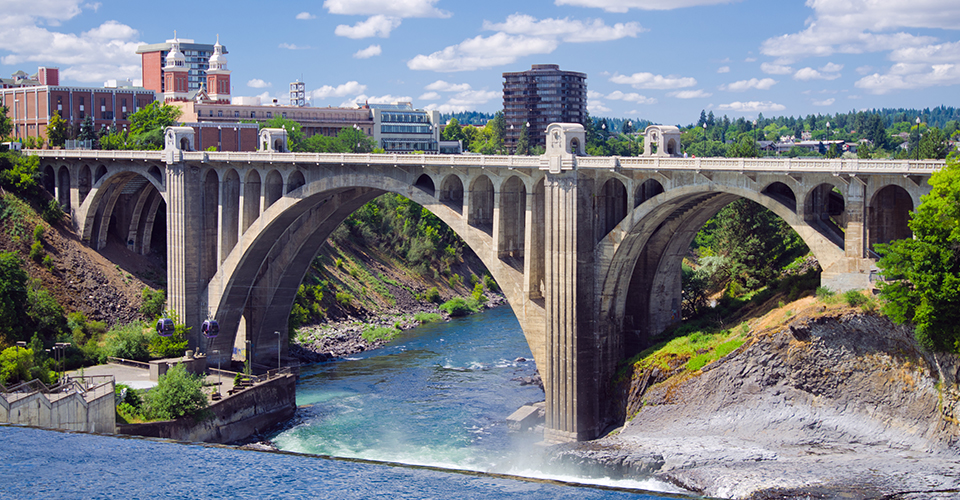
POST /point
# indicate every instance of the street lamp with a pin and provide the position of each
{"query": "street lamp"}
(278, 351)
(216, 352)
(58, 352)
(755, 137)
(919, 137)
(20, 345)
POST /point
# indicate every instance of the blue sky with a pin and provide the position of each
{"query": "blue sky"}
(662, 60)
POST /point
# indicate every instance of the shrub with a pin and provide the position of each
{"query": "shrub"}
(36, 252)
(424, 317)
(344, 299)
(478, 295)
(454, 280)
(53, 212)
(854, 298)
(380, 333)
(489, 282)
(458, 306)
(128, 341)
(177, 394)
(474, 280)
(432, 295)
(38, 232)
(173, 346)
(824, 292)
(44, 310)
(153, 302)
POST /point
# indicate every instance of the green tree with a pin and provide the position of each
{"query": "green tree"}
(498, 129)
(746, 147)
(45, 312)
(355, 141)
(56, 130)
(13, 296)
(148, 124)
(6, 126)
(20, 174)
(177, 394)
(323, 144)
(128, 341)
(294, 131)
(523, 142)
(934, 145)
(453, 131)
(87, 133)
(922, 274)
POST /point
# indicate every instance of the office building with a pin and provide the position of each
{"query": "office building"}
(399, 128)
(541, 96)
(298, 94)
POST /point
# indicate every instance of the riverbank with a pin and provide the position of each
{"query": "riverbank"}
(344, 337)
(842, 405)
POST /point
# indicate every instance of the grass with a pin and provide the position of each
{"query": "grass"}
(424, 317)
(380, 333)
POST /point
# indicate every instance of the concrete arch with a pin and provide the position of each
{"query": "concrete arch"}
(230, 211)
(294, 181)
(512, 223)
(258, 280)
(824, 209)
(63, 187)
(273, 188)
(889, 215)
(644, 262)
(48, 180)
(611, 205)
(646, 190)
(84, 182)
(100, 173)
(480, 203)
(252, 196)
(783, 193)
(425, 182)
(451, 192)
(92, 209)
(157, 173)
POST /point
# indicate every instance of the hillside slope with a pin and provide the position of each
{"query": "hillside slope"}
(828, 402)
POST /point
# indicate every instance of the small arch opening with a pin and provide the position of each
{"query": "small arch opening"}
(425, 183)
(648, 189)
(783, 195)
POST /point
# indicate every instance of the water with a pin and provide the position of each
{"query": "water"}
(438, 396)
(51, 464)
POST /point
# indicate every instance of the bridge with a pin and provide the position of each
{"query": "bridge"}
(586, 249)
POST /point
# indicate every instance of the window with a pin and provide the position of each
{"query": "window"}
(253, 114)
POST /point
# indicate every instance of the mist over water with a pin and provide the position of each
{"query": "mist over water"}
(438, 396)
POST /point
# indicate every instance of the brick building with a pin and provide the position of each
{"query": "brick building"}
(196, 60)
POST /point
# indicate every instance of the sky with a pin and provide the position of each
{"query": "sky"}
(659, 60)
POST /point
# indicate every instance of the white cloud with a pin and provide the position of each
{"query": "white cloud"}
(519, 36)
(630, 97)
(723, 69)
(903, 76)
(597, 107)
(442, 86)
(290, 46)
(825, 102)
(689, 94)
(367, 53)
(809, 73)
(383, 99)
(94, 6)
(104, 52)
(467, 100)
(574, 31)
(349, 88)
(593, 94)
(483, 52)
(831, 67)
(752, 106)
(303, 16)
(394, 8)
(752, 83)
(622, 6)
(379, 25)
(429, 96)
(775, 69)
(258, 84)
(651, 81)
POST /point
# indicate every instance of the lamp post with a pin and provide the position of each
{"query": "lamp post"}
(278, 351)
(755, 138)
(16, 110)
(919, 137)
(20, 345)
(58, 352)
(216, 353)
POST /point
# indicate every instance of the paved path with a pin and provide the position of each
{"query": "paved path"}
(139, 378)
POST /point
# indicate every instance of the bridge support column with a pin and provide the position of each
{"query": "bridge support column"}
(852, 272)
(571, 374)
(184, 244)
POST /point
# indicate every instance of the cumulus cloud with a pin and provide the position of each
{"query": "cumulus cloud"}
(367, 53)
(753, 83)
(597, 107)
(349, 88)
(903, 76)
(483, 52)
(442, 86)
(258, 84)
(429, 96)
(689, 94)
(723, 69)
(395, 8)
(651, 81)
(383, 99)
(752, 106)
(776, 69)
(104, 52)
(519, 36)
(809, 73)
(567, 30)
(379, 26)
(825, 102)
(290, 46)
(303, 16)
(630, 97)
(622, 6)
(467, 100)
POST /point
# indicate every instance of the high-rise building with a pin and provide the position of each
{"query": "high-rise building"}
(298, 94)
(541, 96)
(196, 59)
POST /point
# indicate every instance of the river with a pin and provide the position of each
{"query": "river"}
(436, 397)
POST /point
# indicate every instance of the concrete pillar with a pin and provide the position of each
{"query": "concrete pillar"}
(854, 242)
(184, 241)
(498, 225)
(571, 375)
(74, 190)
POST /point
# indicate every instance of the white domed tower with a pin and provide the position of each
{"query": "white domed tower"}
(218, 76)
(175, 73)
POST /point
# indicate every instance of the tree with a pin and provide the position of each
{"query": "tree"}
(294, 131)
(148, 124)
(746, 147)
(934, 145)
(453, 131)
(498, 128)
(355, 141)
(5, 125)
(922, 274)
(13, 296)
(523, 142)
(56, 130)
(322, 144)
(87, 133)
(177, 394)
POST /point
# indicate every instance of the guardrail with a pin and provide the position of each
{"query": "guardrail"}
(128, 362)
(654, 163)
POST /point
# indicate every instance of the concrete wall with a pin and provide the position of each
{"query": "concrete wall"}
(92, 411)
(236, 417)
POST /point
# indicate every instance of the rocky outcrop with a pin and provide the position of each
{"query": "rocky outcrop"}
(844, 405)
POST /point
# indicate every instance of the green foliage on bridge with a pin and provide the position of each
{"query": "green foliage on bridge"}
(146, 128)
(923, 272)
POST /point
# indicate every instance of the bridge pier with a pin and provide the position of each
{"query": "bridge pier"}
(184, 243)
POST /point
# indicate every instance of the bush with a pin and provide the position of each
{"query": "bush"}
(36, 252)
(53, 212)
(128, 341)
(478, 295)
(854, 298)
(432, 295)
(454, 281)
(344, 299)
(173, 346)
(38, 232)
(458, 306)
(423, 317)
(380, 333)
(44, 310)
(489, 282)
(177, 394)
(824, 292)
(153, 301)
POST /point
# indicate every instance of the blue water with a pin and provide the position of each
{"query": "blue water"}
(438, 396)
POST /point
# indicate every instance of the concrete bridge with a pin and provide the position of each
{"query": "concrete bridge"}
(587, 249)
